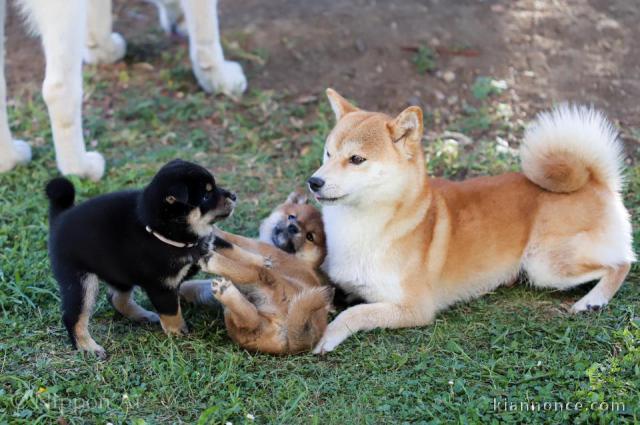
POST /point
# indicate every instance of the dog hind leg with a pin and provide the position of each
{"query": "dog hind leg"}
(604, 290)
(12, 152)
(213, 72)
(240, 310)
(102, 45)
(78, 298)
(124, 303)
(61, 24)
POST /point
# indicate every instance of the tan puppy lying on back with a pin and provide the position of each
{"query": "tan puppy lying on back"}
(274, 299)
(411, 246)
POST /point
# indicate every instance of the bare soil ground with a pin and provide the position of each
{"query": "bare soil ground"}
(547, 51)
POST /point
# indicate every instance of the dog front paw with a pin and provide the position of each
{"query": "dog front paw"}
(219, 286)
(174, 325)
(91, 166)
(226, 77)
(21, 155)
(108, 51)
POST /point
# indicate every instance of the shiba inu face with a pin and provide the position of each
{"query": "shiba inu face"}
(296, 227)
(368, 156)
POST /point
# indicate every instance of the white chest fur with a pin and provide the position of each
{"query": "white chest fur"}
(174, 281)
(359, 259)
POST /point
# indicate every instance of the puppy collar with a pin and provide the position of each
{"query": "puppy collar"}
(169, 241)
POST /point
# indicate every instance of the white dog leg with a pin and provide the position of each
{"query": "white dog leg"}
(371, 316)
(214, 74)
(171, 16)
(62, 26)
(12, 152)
(102, 45)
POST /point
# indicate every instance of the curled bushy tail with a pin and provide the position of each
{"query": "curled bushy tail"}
(564, 148)
(61, 194)
(307, 318)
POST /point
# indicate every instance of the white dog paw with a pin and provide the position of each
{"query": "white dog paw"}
(92, 167)
(219, 286)
(112, 50)
(21, 155)
(590, 302)
(227, 78)
(330, 340)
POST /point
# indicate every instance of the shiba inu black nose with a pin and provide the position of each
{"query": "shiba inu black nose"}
(315, 183)
(229, 195)
(293, 229)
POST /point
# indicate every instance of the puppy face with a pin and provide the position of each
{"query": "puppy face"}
(368, 156)
(183, 200)
(296, 227)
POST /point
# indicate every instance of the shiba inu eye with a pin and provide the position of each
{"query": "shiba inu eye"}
(357, 160)
(292, 217)
(170, 199)
(310, 237)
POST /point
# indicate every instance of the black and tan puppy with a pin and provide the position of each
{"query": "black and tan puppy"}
(152, 238)
(278, 302)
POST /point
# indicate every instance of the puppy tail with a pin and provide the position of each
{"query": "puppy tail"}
(307, 318)
(61, 194)
(567, 147)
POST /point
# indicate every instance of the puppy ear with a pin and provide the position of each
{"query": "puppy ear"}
(407, 129)
(297, 198)
(177, 193)
(339, 104)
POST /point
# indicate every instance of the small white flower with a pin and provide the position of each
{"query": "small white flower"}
(125, 396)
(250, 416)
(228, 423)
(450, 382)
(449, 148)
(539, 363)
(499, 84)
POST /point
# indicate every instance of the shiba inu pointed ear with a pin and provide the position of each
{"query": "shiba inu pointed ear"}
(407, 129)
(339, 104)
(297, 198)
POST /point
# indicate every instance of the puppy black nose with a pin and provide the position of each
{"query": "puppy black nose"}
(315, 183)
(293, 229)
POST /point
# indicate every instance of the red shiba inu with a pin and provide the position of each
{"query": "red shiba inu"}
(412, 246)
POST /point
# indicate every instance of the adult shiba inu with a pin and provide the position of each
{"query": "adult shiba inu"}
(77, 30)
(274, 300)
(411, 246)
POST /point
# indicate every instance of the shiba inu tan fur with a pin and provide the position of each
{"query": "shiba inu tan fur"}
(275, 301)
(412, 246)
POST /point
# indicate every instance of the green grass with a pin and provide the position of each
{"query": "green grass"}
(514, 345)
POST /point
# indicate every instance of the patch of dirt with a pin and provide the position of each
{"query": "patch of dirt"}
(568, 50)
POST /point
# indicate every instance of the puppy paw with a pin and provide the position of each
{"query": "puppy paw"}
(149, 317)
(21, 155)
(219, 286)
(226, 77)
(88, 345)
(174, 325)
(108, 51)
